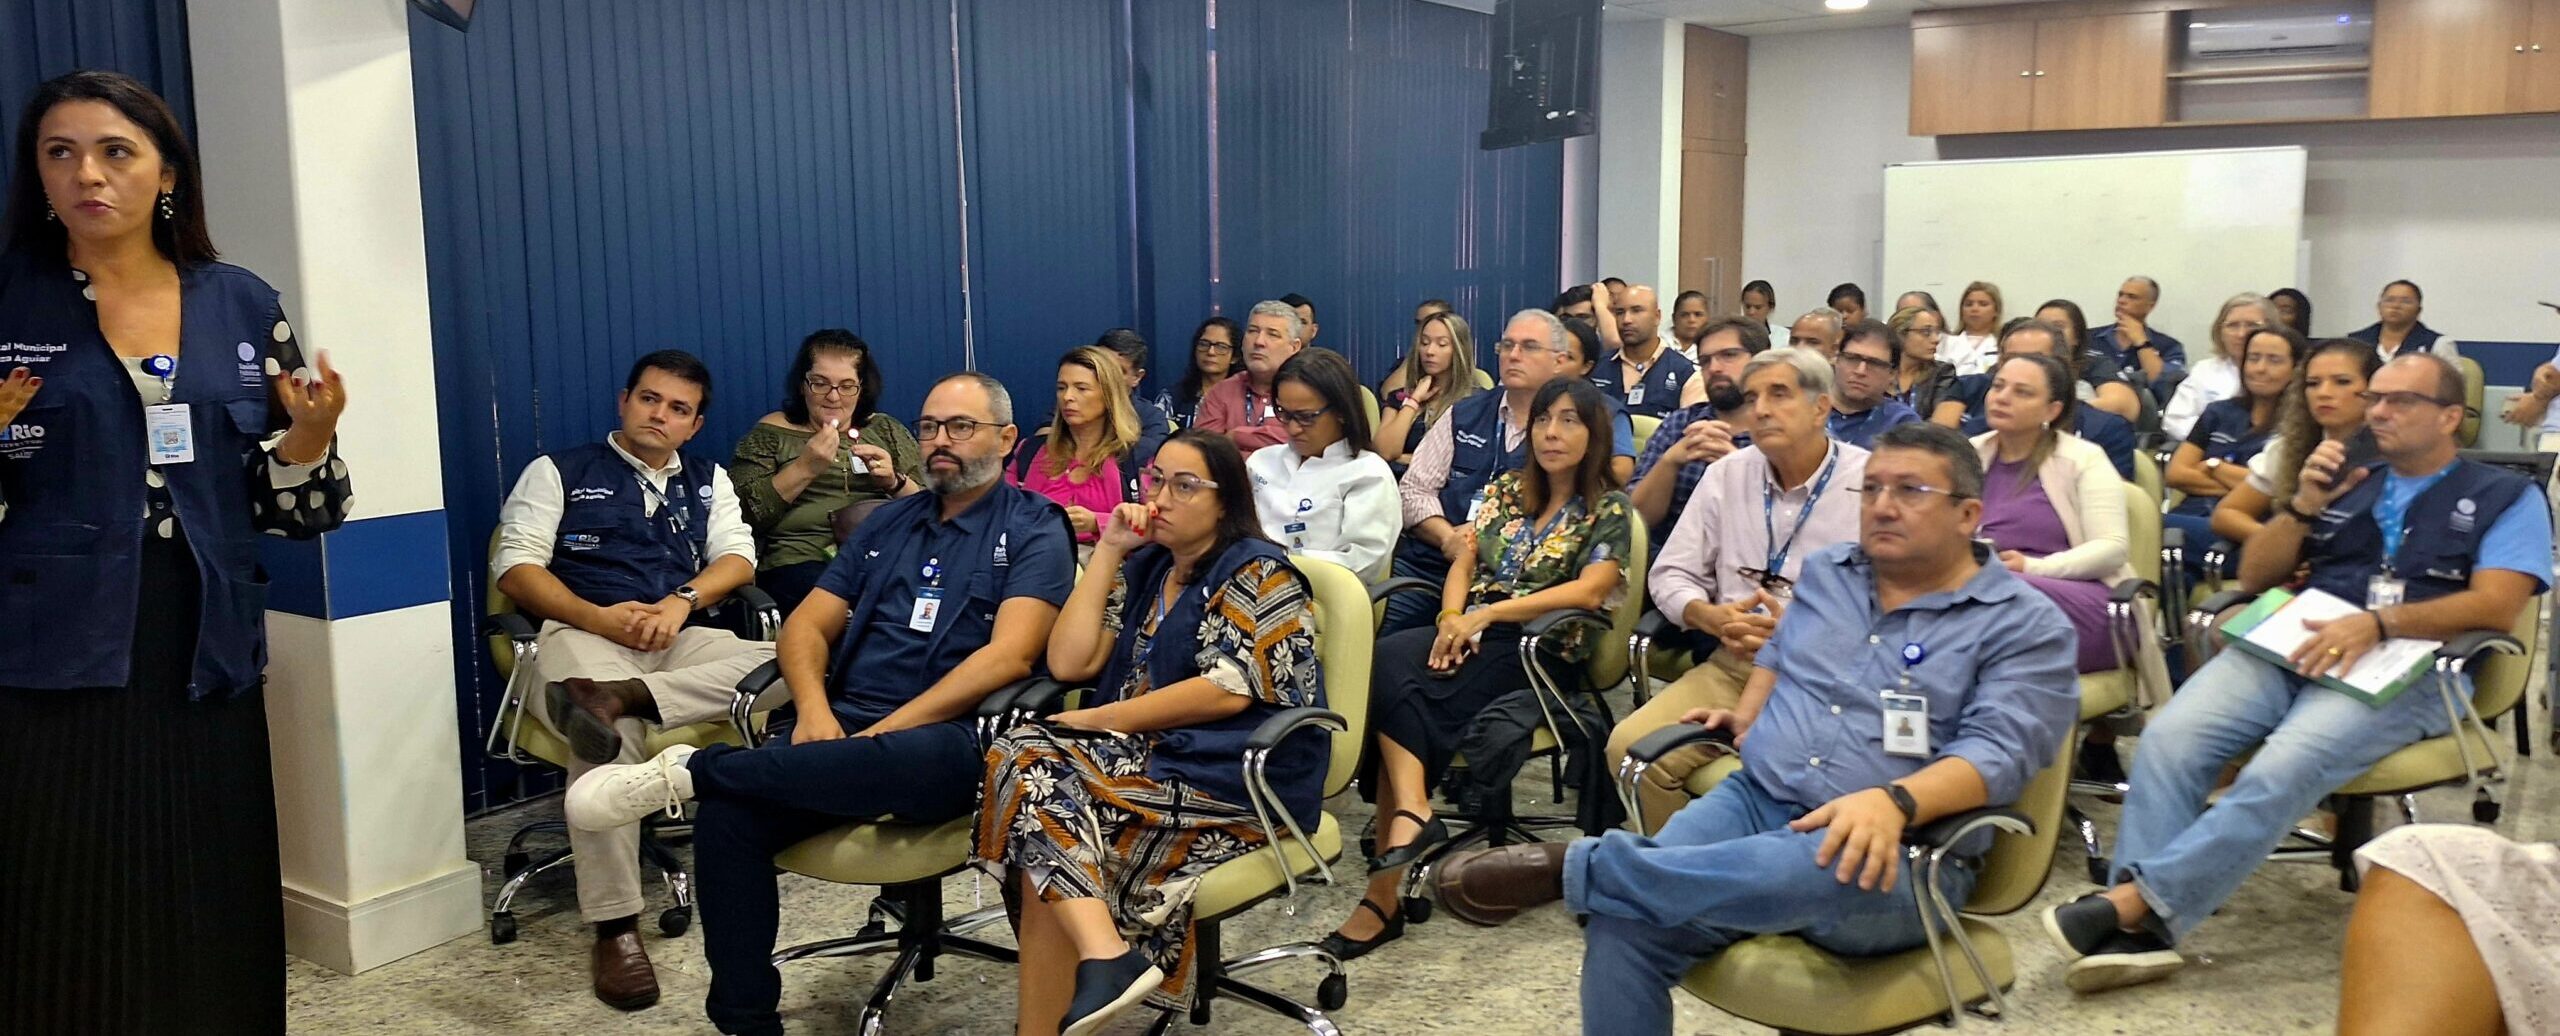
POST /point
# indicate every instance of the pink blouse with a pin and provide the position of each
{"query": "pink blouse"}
(1099, 492)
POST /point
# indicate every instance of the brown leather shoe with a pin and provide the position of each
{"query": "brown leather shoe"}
(584, 711)
(1490, 886)
(624, 979)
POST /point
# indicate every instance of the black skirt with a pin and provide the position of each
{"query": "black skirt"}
(1427, 711)
(139, 885)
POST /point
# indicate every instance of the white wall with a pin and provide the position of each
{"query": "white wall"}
(2469, 208)
(1641, 61)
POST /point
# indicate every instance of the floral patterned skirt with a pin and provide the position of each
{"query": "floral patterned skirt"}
(1083, 818)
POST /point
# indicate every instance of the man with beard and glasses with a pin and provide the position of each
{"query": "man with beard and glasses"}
(1704, 429)
(944, 596)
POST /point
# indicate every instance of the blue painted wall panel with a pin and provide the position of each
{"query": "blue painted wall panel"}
(41, 39)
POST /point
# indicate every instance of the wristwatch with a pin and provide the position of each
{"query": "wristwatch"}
(692, 597)
(1903, 801)
(2286, 508)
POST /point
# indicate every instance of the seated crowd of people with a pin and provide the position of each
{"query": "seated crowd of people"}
(1941, 512)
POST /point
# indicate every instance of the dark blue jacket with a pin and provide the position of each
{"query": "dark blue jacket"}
(2344, 547)
(1662, 382)
(72, 468)
(609, 549)
(2421, 338)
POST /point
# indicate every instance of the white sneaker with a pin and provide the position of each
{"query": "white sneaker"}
(621, 795)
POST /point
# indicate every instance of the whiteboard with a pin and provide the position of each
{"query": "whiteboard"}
(2206, 224)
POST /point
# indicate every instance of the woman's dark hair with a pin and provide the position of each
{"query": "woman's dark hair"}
(1852, 292)
(1324, 372)
(2301, 308)
(1193, 385)
(1765, 291)
(1592, 477)
(1586, 338)
(2078, 325)
(795, 405)
(677, 363)
(2413, 289)
(2058, 384)
(182, 238)
(1237, 519)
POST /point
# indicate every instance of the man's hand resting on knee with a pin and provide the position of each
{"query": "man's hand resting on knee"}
(1862, 832)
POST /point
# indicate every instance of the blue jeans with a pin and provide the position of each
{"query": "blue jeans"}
(755, 803)
(1724, 869)
(2187, 859)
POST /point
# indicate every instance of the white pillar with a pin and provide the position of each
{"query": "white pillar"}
(309, 141)
(1642, 64)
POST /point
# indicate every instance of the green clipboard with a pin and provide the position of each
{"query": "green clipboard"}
(2235, 633)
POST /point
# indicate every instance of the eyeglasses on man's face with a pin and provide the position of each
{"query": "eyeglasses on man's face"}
(1907, 494)
(1850, 361)
(2403, 400)
(1522, 347)
(1183, 487)
(960, 428)
(818, 386)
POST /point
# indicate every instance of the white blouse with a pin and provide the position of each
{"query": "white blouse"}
(1969, 354)
(1340, 506)
(2213, 378)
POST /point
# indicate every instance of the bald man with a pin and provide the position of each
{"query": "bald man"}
(1647, 372)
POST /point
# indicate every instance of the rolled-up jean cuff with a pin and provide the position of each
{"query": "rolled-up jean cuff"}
(1577, 860)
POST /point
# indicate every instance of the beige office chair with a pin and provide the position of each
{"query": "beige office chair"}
(1793, 986)
(1644, 428)
(2500, 664)
(2117, 697)
(1369, 402)
(2474, 390)
(514, 638)
(1484, 380)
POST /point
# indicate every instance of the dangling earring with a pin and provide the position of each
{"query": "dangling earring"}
(168, 211)
(49, 215)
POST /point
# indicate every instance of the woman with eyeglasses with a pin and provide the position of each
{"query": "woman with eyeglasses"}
(1554, 534)
(829, 449)
(1926, 383)
(1192, 629)
(2217, 376)
(2325, 403)
(1440, 371)
(2214, 461)
(1325, 493)
(1213, 359)
(1086, 459)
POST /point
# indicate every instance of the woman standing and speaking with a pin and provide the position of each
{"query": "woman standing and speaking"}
(156, 417)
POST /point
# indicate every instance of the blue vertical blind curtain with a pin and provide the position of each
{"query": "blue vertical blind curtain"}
(41, 39)
(987, 181)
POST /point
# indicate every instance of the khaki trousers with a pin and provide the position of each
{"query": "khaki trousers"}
(693, 681)
(1716, 684)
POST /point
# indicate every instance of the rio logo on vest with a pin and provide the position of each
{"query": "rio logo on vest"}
(21, 440)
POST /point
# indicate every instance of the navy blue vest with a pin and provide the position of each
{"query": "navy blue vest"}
(72, 467)
(610, 550)
(1209, 756)
(1475, 426)
(2444, 526)
(1661, 382)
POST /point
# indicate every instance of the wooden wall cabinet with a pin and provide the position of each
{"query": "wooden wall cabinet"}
(2536, 87)
(2448, 57)
(1715, 86)
(2102, 71)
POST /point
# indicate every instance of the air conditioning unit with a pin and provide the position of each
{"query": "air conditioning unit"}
(2341, 32)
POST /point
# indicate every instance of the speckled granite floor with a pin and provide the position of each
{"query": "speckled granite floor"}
(2267, 965)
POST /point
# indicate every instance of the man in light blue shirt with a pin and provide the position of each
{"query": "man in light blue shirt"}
(1807, 838)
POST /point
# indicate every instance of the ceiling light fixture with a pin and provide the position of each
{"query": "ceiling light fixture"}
(1845, 5)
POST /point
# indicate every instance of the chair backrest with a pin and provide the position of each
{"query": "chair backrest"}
(1608, 663)
(2142, 527)
(1645, 427)
(1346, 636)
(1369, 402)
(2017, 865)
(2473, 392)
(2146, 473)
(2498, 682)
(1483, 380)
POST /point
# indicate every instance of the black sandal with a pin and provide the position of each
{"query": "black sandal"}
(1433, 832)
(1342, 947)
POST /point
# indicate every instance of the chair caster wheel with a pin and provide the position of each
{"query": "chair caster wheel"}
(1333, 992)
(874, 1023)
(2098, 868)
(502, 929)
(2485, 811)
(1417, 909)
(674, 922)
(517, 861)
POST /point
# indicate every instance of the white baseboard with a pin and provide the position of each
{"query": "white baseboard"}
(358, 937)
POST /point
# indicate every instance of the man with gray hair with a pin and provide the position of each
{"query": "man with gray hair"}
(944, 596)
(1724, 576)
(1818, 330)
(1242, 407)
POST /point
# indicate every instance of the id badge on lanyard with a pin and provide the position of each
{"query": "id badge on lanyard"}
(171, 432)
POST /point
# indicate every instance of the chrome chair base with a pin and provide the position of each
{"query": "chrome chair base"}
(921, 937)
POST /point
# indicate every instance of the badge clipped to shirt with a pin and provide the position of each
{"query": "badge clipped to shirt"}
(1635, 394)
(1906, 725)
(171, 433)
(1474, 504)
(928, 609)
(2385, 590)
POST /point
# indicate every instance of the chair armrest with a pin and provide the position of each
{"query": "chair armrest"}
(1401, 585)
(1020, 694)
(2466, 649)
(2216, 604)
(1954, 827)
(1545, 625)
(2132, 590)
(1289, 721)
(2221, 551)
(750, 698)
(763, 615)
(1652, 747)
(1655, 625)
(515, 626)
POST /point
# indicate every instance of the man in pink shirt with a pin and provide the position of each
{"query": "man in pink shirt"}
(1241, 407)
(1728, 566)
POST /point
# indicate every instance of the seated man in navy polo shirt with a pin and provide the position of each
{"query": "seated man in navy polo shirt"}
(943, 598)
(2433, 547)
(2152, 359)
(1807, 838)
